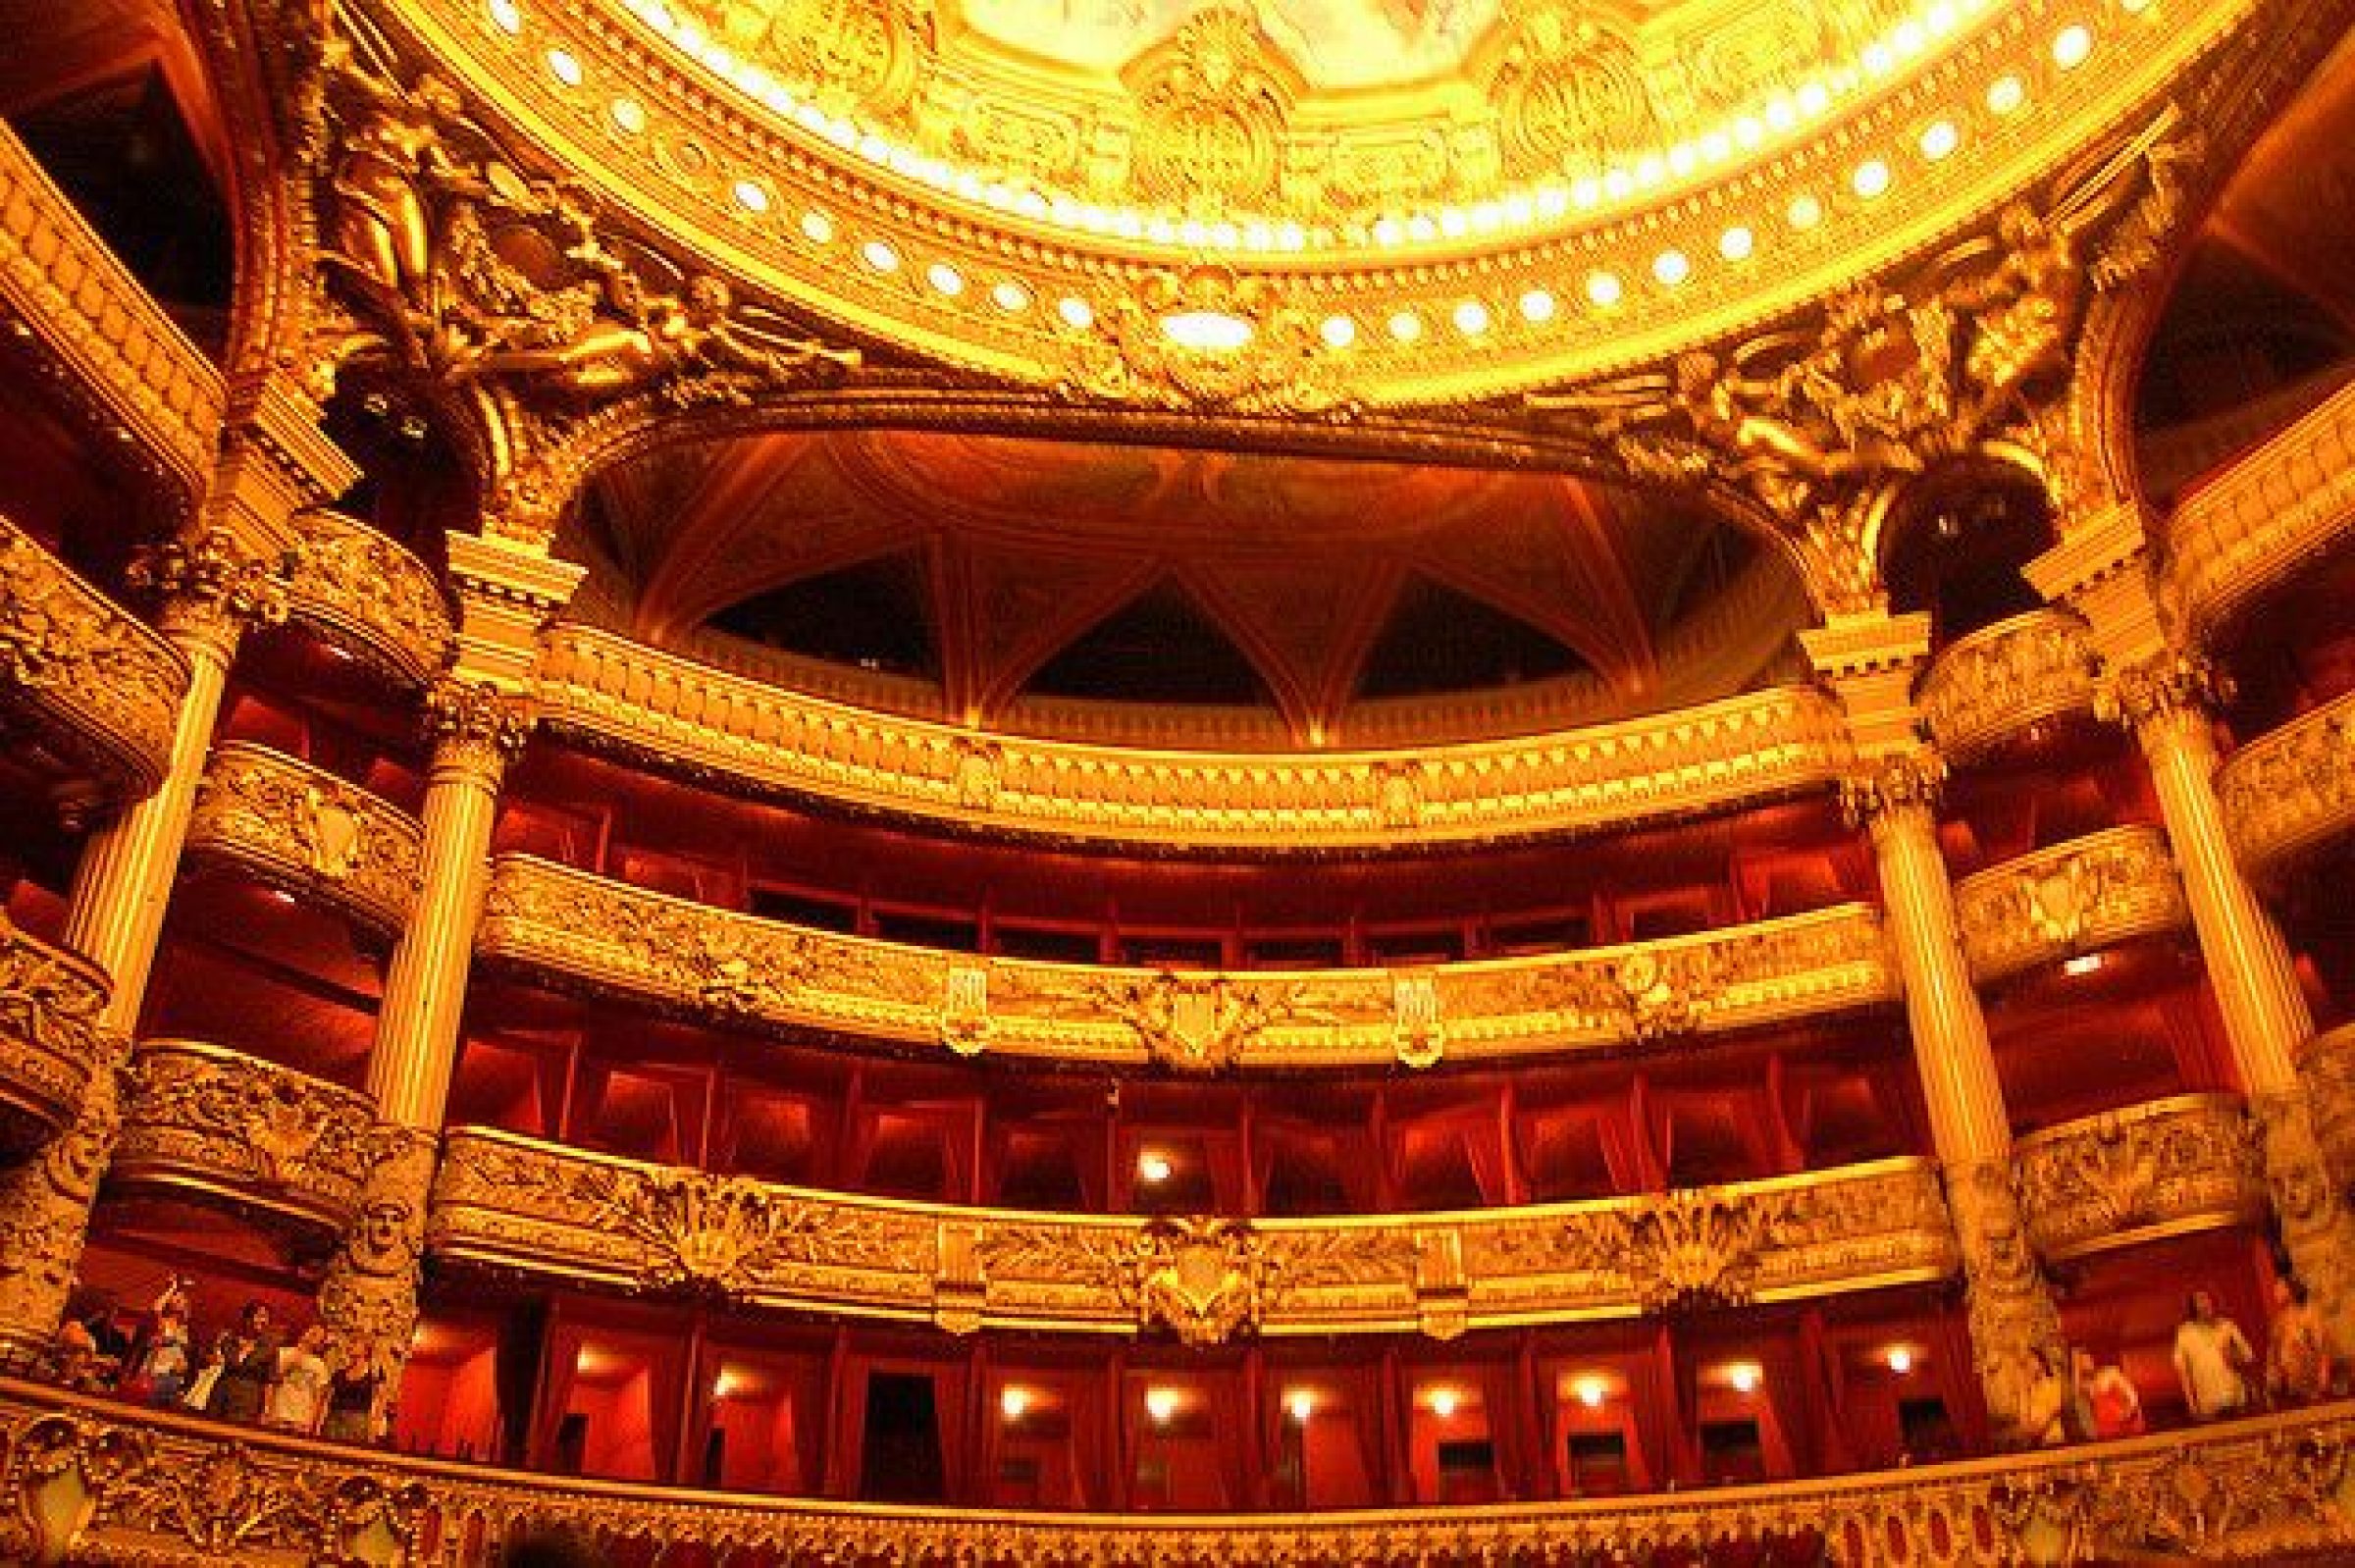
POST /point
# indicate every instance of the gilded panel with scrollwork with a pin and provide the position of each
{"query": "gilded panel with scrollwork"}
(2000, 680)
(369, 596)
(2286, 792)
(2110, 1180)
(303, 828)
(2072, 898)
(49, 1005)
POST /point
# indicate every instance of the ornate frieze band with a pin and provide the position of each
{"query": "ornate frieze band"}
(369, 597)
(2244, 534)
(169, 1490)
(49, 1005)
(677, 716)
(604, 936)
(101, 339)
(2286, 793)
(1988, 687)
(88, 682)
(303, 828)
(513, 1203)
(199, 1120)
(2072, 898)
(2125, 1177)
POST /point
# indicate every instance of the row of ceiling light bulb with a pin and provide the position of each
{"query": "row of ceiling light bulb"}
(1603, 290)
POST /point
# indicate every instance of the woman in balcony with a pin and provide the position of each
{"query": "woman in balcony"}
(299, 1393)
(248, 1363)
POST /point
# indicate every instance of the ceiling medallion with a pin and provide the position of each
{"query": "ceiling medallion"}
(1209, 340)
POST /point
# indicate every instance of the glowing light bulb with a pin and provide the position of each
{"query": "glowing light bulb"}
(1301, 1405)
(1014, 1403)
(1153, 1166)
(1443, 1402)
(1591, 1393)
(1160, 1404)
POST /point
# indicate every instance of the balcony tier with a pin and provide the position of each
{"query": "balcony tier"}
(2055, 903)
(365, 594)
(2246, 533)
(49, 1005)
(1986, 687)
(302, 828)
(2288, 792)
(2174, 1165)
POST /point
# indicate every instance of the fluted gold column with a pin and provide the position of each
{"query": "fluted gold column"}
(480, 717)
(2165, 696)
(2014, 1332)
(213, 587)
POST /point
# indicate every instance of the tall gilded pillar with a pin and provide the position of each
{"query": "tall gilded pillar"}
(2165, 698)
(2014, 1332)
(480, 717)
(213, 586)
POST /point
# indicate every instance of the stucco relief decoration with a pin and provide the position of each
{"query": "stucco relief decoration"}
(1204, 1279)
(1207, 338)
(1193, 1024)
(1212, 106)
(2081, 1185)
(1418, 1025)
(239, 1116)
(965, 1022)
(704, 1234)
(1568, 90)
(869, 55)
(60, 639)
(729, 967)
(1695, 1247)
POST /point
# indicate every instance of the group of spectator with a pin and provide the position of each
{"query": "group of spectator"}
(2215, 1366)
(245, 1372)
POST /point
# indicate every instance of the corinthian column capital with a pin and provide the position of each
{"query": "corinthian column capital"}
(213, 587)
(476, 727)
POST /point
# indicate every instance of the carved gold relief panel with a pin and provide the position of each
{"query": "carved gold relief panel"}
(1988, 687)
(50, 1000)
(369, 596)
(2125, 1177)
(303, 828)
(2288, 792)
(2072, 898)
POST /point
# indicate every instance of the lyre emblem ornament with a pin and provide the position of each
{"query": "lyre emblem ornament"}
(1418, 1033)
(332, 834)
(1202, 1279)
(701, 1233)
(965, 1022)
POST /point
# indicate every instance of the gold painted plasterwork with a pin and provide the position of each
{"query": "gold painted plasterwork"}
(2327, 1069)
(575, 929)
(681, 716)
(2172, 1166)
(1984, 689)
(221, 1126)
(512, 1203)
(2072, 898)
(2246, 533)
(2292, 790)
(49, 1038)
(369, 597)
(80, 677)
(99, 1481)
(303, 828)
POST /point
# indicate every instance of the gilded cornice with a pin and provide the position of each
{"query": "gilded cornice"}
(100, 340)
(683, 717)
(366, 595)
(1983, 689)
(2289, 792)
(864, 243)
(87, 680)
(50, 1043)
(604, 936)
(2246, 532)
(516, 1204)
(2072, 898)
(2163, 1169)
(302, 828)
(214, 1125)
(168, 1490)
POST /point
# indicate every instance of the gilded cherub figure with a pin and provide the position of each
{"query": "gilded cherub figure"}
(394, 148)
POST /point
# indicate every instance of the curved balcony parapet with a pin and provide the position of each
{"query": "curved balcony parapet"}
(2189, 1163)
(366, 595)
(1983, 689)
(2289, 792)
(200, 1121)
(50, 1000)
(91, 685)
(676, 714)
(302, 828)
(2326, 1066)
(516, 1204)
(164, 1489)
(2246, 533)
(107, 347)
(2072, 898)
(606, 936)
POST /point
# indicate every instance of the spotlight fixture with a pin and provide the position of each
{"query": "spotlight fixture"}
(1154, 1167)
(1443, 1402)
(1160, 1404)
(1743, 1376)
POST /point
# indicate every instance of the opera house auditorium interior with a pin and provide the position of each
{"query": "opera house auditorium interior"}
(1100, 783)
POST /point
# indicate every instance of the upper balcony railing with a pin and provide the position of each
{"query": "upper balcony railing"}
(1990, 686)
(300, 827)
(2164, 1168)
(2288, 792)
(2072, 898)
(674, 713)
(49, 1005)
(2247, 531)
(590, 932)
(366, 595)
(516, 1204)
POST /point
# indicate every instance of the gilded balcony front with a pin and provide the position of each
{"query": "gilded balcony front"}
(49, 1005)
(299, 827)
(614, 939)
(91, 688)
(516, 1204)
(369, 597)
(1986, 688)
(675, 714)
(97, 1482)
(2246, 533)
(2326, 1066)
(2189, 1163)
(2072, 898)
(2289, 792)
(215, 1124)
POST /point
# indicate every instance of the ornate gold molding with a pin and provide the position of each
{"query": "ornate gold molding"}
(2326, 1066)
(2288, 792)
(680, 717)
(2125, 1177)
(2242, 535)
(513, 1203)
(86, 681)
(199, 1120)
(176, 1492)
(1983, 689)
(476, 727)
(50, 1042)
(607, 937)
(211, 584)
(101, 339)
(2052, 904)
(303, 828)
(369, 597)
